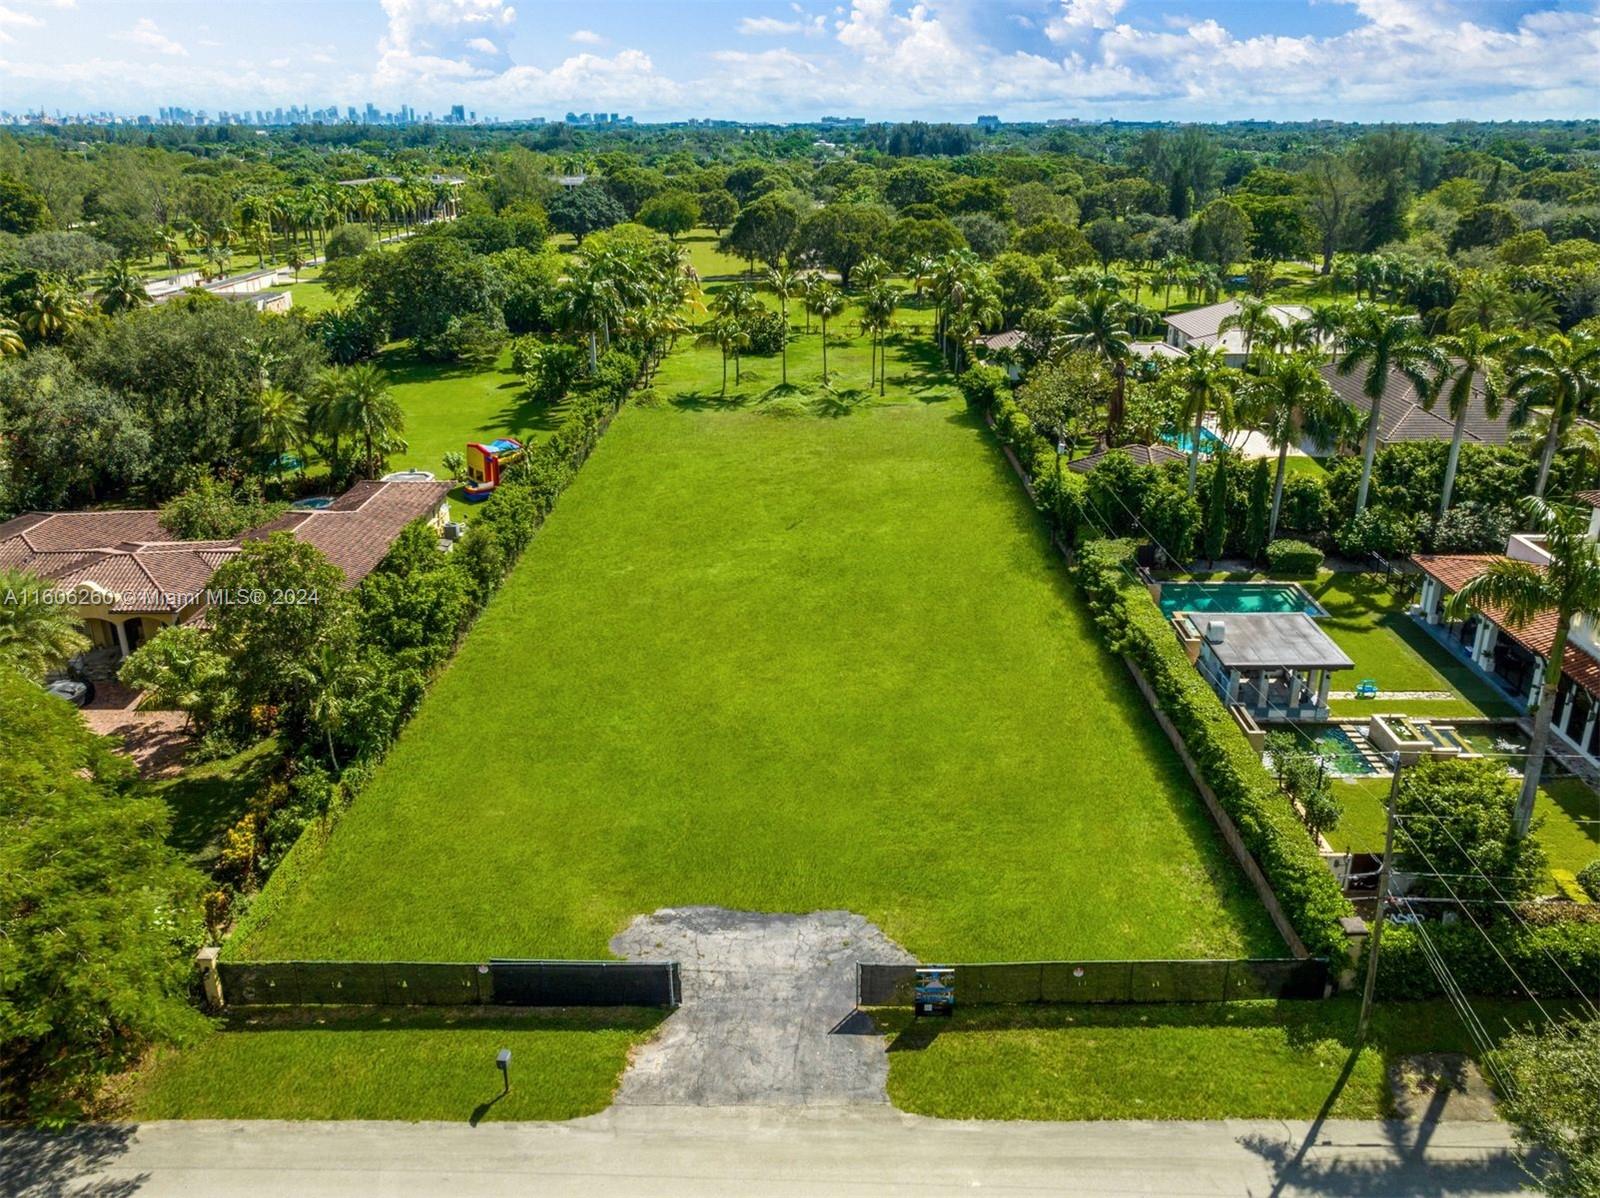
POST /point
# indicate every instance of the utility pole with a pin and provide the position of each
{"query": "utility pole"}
(1375, 936)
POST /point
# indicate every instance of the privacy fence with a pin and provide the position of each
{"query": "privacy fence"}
(1105, 981)
(448, 984)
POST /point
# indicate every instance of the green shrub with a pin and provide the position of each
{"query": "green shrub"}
(1379, 530)
(1589, 879)
(982, 386)
(1293, 558)
(1474, 957)
(1058, 492)
(1131, 624)
(767, 331)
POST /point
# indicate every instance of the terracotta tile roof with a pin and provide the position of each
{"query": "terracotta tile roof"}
(1538, 635)
(1587, 498)
(1402, 417)
(356, 530)
(1142, 455)
(130, 555)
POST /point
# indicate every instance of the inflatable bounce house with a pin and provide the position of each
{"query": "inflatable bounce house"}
(485, 462)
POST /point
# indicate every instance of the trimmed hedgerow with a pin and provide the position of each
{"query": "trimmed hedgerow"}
(1474, 957)
(1295, 559)
(1131, 624)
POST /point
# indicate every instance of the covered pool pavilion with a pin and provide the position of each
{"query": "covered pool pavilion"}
(1276, 665)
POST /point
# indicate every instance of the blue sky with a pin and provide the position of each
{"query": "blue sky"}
(792, 59)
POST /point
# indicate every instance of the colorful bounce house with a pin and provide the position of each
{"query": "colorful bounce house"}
(485, 464)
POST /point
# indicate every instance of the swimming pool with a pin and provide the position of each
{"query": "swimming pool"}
(1340, 751)
(1237, 597)
(1184, 441)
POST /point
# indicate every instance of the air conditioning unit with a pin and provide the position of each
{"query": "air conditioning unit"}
(1215, 631)
(454, 530)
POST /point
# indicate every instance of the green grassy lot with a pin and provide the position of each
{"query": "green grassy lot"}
(779, 652)
(447, 405)
(396, 1065)
(1369, 622)
(311, 295)
(1251, 1060)
(1567, 815)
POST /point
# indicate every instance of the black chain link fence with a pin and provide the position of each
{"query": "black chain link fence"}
(1105, 981)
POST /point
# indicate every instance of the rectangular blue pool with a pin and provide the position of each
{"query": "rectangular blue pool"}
(1208, 597)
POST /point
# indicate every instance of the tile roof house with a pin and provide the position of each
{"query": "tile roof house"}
(1142, 455)
(1402, 416)
(1203, 326)
(133, 577)
(1514, 655)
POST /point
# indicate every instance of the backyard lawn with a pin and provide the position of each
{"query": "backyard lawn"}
(1566, 814)
(1250, 1060)
(1368, 620)
(784, 651)
(396, 1064)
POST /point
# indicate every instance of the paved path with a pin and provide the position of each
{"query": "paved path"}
(666, 1152)
(768, 1015)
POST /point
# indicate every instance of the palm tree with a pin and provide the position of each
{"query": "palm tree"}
(1480, 303)
(1474, 355)
(728, 334)
(1386, 344)
(368, 411)
(325, 414)
(734, 306)
(1329, 322)
(587, 303)
(35, 636)
(1530, 312)
(1254, 319)
(1098, 324)
(1206, 385)
(1569, 585)
(1560, 374)
(49, 310)
(877, 318)
(870, 271)
(1169, 272)
(10, 338)
(784, 283)
(1290, 399)
(276, 421)
(122, 289)
(825, 300)
(972, 307)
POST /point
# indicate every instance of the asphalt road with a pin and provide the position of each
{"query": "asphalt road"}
(675, 1152)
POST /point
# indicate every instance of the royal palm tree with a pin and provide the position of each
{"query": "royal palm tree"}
(1205, 386)
(1561, 375)
(1289, 400)
(1170, 271)
(735, 305)
(877, 319)
(1254, 319)
(1330, 322)
(122, 289)
(1569, 586)
(825, 300)
(1473, 367)
(728, 334)
(36, 636)
(1098, 324)
(1385, 344)
(973, 307)
(368, 412)
(587, 302)
(784, 283)
(276, 421)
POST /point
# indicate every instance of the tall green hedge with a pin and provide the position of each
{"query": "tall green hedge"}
(1533, 952)
(1131, 624)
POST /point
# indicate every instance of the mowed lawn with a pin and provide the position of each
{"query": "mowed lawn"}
(778, 662)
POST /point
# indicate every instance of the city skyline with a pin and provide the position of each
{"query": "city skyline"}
(777, 61)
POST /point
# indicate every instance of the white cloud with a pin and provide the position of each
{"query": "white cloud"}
(1078, 16)
(145, 33)
(16, 20)
(804, 24)
(586, 37)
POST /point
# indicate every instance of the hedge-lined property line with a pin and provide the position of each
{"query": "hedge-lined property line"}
(496, 539)
(1307, 895)
(1534, 951)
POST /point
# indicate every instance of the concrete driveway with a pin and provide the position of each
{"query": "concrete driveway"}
(768, 1013)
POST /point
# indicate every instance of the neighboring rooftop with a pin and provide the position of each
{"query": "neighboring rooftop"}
(1142, 455)
(356, 530)
(1402, 416)
(1155, 349)
(1204, 324)
(1010, 339)
(1272, 640)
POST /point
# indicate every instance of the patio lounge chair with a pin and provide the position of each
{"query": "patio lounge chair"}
(1367, 688)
